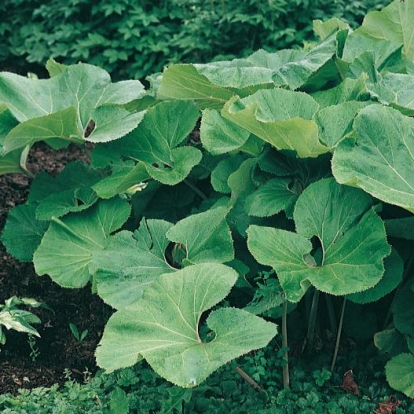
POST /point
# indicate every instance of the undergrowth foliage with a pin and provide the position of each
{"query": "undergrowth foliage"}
(296, 161)
(134, 39)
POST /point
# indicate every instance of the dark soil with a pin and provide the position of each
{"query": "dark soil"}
(58, 350)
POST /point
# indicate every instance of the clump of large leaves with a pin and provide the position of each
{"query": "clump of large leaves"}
(164, 327)
(130, 262)
(269, 124)
(156, 142)
(348, 256)
(79, 103)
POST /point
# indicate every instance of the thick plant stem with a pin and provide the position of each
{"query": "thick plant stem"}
(195, 189)
(331, 314)
(312, 320)
(338, 336)
(285, 347)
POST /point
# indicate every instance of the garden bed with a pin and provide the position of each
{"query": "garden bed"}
(57, 348)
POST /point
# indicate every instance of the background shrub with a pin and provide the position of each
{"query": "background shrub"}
(132, 39)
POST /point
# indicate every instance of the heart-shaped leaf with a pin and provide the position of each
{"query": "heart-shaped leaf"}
(68, 245)
(63, 106)
(352, 241)
(400, 373)
(205, 236)
(164, 327)
(184, 82)
(379, 159)
(131, 262)
(23, 232)
(156, 141)
(280, 117)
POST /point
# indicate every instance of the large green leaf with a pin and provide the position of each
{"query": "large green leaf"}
(237, 73)
(67, 247)
(390, 342)
(243, 74)
(64, 105)
(164, 327)
(280, 117)
(351, 236)
(60, 124)
(402, 310)
(222, 172)
(295, 74)
(401, 227)
(23, 232)
(336, 121)
(348, 90)
(205, 237)
(395, 23)
(324, 29)
(181, 161)
(369, 56)
(70, 191)
(396, 89)
(400, 373)
(155, 142)
(184, 82)
(380, 157)
(130, 263)
(287, 253)
(219, 135)
(110, 122)
(271, 198)
(82, 86)
(394, 267)
(14, 161)
(241, 184)
(128, 177)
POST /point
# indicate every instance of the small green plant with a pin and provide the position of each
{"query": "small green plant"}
(79, 336)
(11, 317)
(321, 376)
(34, 350)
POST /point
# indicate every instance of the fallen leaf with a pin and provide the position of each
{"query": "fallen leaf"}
(388, 407)
(348, 383)
(17, 380)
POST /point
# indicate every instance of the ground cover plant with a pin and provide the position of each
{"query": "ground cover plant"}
(134, 39)
(226, 195)
(141, 390)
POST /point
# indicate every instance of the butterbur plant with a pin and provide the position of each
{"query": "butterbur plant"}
(294, 163)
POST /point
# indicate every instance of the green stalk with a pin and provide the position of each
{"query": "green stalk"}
(312, 320)
(338, 336)
(195, 189)
(286, 380)
(331, 314)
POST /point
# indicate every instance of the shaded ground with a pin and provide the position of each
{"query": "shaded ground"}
(57, 348)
